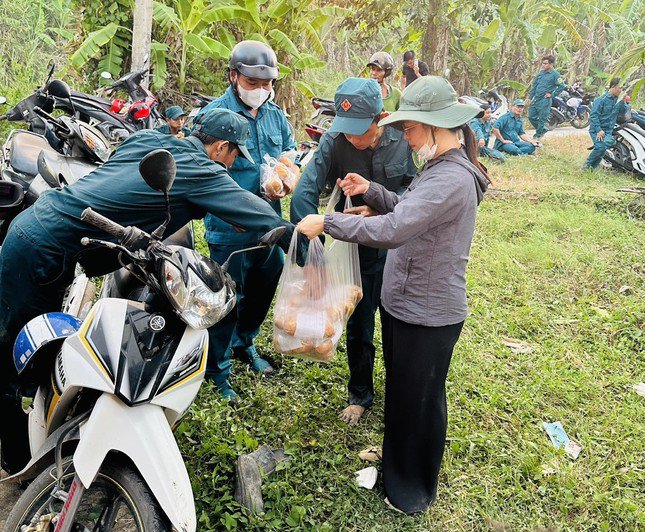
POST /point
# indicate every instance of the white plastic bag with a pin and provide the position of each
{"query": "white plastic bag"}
(315, 301)
(279, 176)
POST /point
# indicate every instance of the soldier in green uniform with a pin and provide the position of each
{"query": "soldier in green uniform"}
(43, 244)
(602, 120)
(175, 120)
(482, 128)
(547, 84)
(510, 136)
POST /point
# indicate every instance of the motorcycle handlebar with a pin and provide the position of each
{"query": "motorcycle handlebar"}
(107, 225)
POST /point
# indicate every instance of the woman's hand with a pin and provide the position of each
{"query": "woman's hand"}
(354, 184)
(363, 210)
(312, 225)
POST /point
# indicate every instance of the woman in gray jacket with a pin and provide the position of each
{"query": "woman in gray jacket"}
(429, 231)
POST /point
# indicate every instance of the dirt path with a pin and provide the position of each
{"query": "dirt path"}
(561, 132)
(9, 493)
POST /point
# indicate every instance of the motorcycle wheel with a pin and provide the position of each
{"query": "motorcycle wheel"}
(118, 500)
(581, 121)
(553, 122)
(324, 121)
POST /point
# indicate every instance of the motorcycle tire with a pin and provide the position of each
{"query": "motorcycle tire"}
(553, 122)
(128, 485)
(581, 121)
(323, 121)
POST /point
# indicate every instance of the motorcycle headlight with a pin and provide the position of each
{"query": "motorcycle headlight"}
(95, 143)
(196, 302)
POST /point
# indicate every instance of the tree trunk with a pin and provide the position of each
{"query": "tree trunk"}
(593, 43)
(436, 38)
(141, 34)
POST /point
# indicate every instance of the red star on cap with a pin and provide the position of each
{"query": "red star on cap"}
(346, 105)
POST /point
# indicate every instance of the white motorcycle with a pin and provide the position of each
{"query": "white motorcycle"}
(109, 389)
(628, 152)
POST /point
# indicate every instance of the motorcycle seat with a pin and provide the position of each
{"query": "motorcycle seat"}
(24, 150)
(58, 170)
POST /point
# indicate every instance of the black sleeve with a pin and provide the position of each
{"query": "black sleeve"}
(423, 68)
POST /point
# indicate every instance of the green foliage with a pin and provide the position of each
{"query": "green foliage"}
(32, 34)
(106, 45)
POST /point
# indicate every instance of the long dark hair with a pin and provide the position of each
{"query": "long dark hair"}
(470, 144)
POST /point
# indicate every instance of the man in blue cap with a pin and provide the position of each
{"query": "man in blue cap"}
(253, 69)
(510, 136)
(43, 244)
(602, 120)
(547, 84)
(355, 143)
(175, 120)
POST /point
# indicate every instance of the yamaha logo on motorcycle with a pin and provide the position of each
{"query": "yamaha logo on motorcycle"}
(157, 322)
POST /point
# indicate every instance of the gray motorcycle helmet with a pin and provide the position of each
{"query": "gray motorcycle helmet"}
(382, 60)
(254, 59)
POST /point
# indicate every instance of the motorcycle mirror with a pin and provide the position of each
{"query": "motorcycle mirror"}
(158, 170)
(106, 75)
(59, 88)
(272, 237)
(3, 100)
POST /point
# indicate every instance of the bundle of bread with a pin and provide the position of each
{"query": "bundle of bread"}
(280, 176)
(309, 327)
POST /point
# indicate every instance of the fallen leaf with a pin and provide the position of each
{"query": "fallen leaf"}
(517, 346)
(547, 471)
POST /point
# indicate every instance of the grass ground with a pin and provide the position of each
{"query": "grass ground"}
(555, 263)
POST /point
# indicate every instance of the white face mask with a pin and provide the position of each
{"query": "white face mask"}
(426, 152)
(253, 98)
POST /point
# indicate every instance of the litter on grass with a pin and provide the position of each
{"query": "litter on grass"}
(560, 440)
(366, 478)
(639, 388)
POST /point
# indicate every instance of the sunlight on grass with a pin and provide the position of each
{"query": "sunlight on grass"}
(556, 264)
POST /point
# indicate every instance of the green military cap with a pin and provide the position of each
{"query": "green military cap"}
(431, 100)
(174, 112)
(224, 124)
(358, 102)
(519, 102)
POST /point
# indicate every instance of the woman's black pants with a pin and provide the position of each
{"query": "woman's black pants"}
(417, 359)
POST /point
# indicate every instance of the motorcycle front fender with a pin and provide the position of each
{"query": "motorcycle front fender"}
(142, 434)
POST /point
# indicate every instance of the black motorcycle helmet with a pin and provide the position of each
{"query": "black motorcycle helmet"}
(382, 60)
(254, 59)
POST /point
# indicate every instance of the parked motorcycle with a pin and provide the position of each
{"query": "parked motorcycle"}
(140, 111)
(53, 152)
(324, 113)
(569, 108)
(628, 153)
(110, 389)
(492, 97)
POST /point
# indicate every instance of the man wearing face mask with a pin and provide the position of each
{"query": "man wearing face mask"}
(355, 144)
(253, 68)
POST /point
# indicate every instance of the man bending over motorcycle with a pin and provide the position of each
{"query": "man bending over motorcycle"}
(43, 245)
